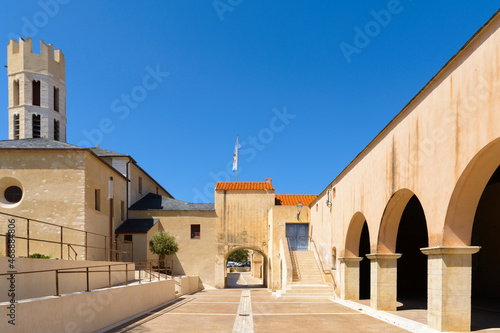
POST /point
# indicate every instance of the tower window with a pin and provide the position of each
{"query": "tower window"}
(16, 126)
(36, 93)
(16, 92)
(56, 130)
(36, 126)
(56, 99)
(140, 185)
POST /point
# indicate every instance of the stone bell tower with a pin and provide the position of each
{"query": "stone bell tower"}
(37, 91)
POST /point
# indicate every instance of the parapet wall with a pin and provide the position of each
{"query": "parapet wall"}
(20, 57)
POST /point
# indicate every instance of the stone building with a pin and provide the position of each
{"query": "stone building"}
(413, 219)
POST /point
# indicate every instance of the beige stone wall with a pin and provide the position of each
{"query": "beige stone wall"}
(59, 187)
(45, 177)
(242, 222)
(195, 256)
(97, 175)
(44, 284)
(87, 312)
(148, 185)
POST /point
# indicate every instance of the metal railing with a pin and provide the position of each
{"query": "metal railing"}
(117, 252)
(80, 270)
(325, 271)
(155, 269)
(295, 266)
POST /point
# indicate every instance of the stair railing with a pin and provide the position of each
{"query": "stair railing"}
(295, 266)
(318, 258)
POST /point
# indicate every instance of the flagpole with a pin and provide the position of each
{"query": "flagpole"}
(237, 156)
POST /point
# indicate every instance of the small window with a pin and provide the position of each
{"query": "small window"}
(56, 99)
(195, 231)
(127, 238)
(36, 93)
(98, 200)
(56, 130)
(37, 127)
(140, 185)
(13, 194)
(122, 210)
(16, 126)
(16, 92)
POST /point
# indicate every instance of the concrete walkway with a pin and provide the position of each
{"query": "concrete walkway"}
(253, 310)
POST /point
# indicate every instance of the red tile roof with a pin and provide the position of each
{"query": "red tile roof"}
(294, 199)
(245, 186)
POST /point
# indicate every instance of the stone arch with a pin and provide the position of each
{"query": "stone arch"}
(388, 231)
(265, 261)
(463, 203)
(354, 234)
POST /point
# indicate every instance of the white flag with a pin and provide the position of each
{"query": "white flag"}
(235, 154)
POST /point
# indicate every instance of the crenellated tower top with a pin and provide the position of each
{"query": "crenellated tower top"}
(49, 61)
(37, 91)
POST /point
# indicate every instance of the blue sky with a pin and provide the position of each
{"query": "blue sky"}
(306, 85)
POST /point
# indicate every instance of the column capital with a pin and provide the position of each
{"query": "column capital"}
(350, 259)
(460, 250)
(384, 256)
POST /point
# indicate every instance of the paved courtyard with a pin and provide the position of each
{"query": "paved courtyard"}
(253, 310)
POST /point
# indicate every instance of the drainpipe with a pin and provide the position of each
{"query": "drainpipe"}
(110, 196)
(126, 189)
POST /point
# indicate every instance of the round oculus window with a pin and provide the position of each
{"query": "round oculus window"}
(13, 194)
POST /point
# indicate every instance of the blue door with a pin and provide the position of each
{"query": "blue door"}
(297, 235)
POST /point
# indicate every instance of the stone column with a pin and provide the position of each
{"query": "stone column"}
(383, 280)
(449, 287)
(349, 278)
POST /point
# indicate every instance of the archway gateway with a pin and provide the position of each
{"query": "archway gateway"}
(252, 275)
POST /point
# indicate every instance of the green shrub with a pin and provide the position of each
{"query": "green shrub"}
(162, 244)
(39, 256)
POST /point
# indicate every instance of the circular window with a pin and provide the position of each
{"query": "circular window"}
(13, 194)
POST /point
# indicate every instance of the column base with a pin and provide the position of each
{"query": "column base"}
(383, 280)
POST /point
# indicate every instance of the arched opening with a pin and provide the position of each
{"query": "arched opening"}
(358, 245)
(472, 219)
(485, 266)
(412, 266)
(364, 265)
(36, 94)
(404, 230)
(245, 268)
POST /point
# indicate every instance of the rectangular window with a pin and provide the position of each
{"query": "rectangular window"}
(37, 127)
(16, 92)
(56, 99)
(127, 238)
(195, 231)
(122, 210)
(56, 130)
(140, 185)
(98, 200)
(16, 126)
(36, 93)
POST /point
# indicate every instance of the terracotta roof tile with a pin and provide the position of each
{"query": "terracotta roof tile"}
(245, 186)
(294, 199)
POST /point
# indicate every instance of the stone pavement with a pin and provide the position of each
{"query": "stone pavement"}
(253, 310)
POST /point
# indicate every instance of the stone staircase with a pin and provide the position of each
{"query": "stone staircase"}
(307, 278)
(306, 270)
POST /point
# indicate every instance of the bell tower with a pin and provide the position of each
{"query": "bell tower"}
(37, 91)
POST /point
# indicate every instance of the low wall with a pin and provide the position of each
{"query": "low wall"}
(44, 284)
(86, 311)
